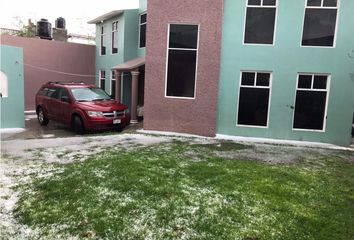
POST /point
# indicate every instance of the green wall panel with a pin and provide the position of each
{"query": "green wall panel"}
(12, 107)
(286, 59)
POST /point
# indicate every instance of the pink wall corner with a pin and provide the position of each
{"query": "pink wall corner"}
(196, 116)
(53, 55)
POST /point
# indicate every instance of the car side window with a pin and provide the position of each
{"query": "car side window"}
(44, 92)
(50, 92)
(56, 93)
(64, 97)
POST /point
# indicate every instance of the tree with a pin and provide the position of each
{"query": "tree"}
(28, 30)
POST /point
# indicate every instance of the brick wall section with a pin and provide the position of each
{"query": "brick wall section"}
(196, 116)
(59, 56)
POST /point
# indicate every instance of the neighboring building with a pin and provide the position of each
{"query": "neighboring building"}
(120, 55)
(11, 87)
(286, 68)
(55, 61)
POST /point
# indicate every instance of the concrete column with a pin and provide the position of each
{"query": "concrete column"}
(135, 92)
(118, 85)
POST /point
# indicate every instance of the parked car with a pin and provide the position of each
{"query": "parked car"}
(82, 106)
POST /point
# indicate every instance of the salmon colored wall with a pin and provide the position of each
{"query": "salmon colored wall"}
(54, 55)
(194, 116)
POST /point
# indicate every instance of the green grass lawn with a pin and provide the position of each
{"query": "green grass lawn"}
(180, 190)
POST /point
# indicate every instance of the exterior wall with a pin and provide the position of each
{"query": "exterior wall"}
(12, 107)
(59, 56)
(142, 9)
(109, 60)
(131, 34)
(286, 59)
(195, 116)
(127, 50)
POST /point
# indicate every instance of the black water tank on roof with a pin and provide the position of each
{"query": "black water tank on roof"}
(44, 29)
(60, 23)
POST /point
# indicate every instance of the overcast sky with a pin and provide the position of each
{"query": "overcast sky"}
(75, 12)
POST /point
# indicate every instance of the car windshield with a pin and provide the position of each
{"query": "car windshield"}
(90, 94)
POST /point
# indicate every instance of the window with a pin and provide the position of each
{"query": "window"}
(113, 84)
(58, 93)
(52, 92)
(4, 91)
(320, 23)
(103, 42)
(260, 22)
(44, 92)
(182, 60)
(102, 80)
(254, 99)
(311, 101)
(115, 37)
(142, 32)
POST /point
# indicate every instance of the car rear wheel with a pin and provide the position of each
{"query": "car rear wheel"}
(42, 119)
(77, 125)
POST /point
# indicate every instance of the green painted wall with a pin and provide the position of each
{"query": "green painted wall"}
(131, 34)
(286, 59)
(127, 48)
(109, 60)
(127, 90)
(142, 6)
(128, 34)
(142, 9)
(12, 107)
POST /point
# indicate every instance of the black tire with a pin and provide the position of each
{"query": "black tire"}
(77, 125)
(42, 119)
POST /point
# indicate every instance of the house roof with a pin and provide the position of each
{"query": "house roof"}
(106, 16)
(130, 65)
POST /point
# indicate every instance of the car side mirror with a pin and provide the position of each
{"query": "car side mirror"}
(65, 99)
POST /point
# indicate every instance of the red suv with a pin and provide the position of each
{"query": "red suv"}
(84, 107)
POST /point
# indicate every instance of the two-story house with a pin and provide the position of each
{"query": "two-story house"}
(120, 55)
(252, 68)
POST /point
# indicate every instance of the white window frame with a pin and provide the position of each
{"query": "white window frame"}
(275, 23)
(327, 90)
(102, 38)
(112, 79)
(4, 85)
(336, 25)
(187, 49)
(141, 24)
(114, 30)
(254, 86)
(100, 78)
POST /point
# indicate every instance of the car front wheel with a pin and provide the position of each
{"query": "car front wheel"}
(77, 125)
(42, 119)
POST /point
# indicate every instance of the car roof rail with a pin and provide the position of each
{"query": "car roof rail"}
(66, 83)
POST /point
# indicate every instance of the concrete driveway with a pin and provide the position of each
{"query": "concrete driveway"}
(33, 130)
